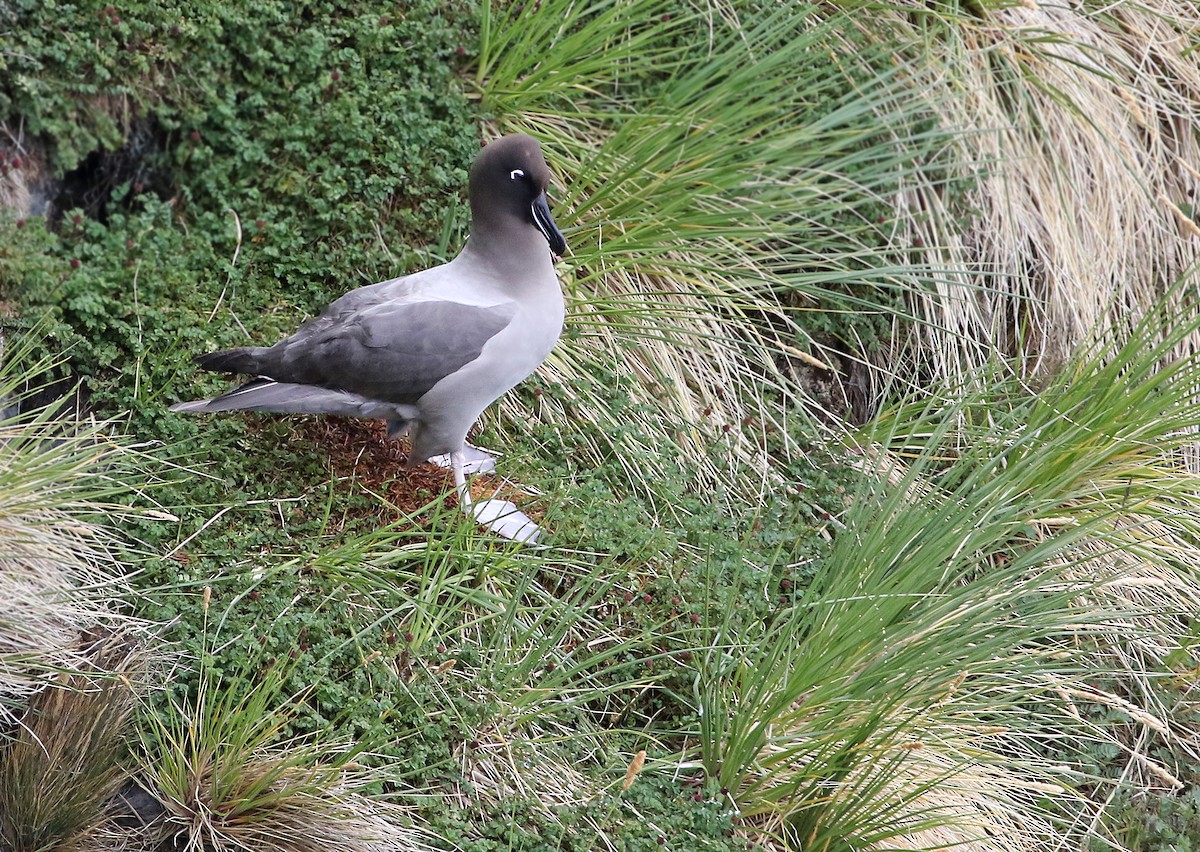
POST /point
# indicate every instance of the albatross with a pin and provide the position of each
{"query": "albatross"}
(428, 352)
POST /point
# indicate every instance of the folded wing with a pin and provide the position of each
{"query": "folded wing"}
(394, 351)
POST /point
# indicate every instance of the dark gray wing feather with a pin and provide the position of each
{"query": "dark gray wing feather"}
(392, 351)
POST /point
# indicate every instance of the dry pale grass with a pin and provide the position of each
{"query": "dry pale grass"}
(1070, 184)
(524, 765)
(1151, 590)
(528, 760)
(986, 806)
(1147, 593)
(45, 562)
(21, 170)
(58, 581)
(301, 822)
(529, 766)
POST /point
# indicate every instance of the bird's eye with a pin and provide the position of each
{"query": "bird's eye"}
(516, 173)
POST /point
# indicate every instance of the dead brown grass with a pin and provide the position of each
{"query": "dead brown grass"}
(362, 456)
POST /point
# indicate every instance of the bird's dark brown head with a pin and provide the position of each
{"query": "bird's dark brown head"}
(508, 188)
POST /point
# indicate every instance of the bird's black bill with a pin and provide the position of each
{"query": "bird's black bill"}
(545, 224)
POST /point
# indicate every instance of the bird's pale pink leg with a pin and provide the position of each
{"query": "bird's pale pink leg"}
(460, 481)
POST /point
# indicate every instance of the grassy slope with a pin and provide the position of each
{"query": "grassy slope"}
(308, 152)
(286, 135)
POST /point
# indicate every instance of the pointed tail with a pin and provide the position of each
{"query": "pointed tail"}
(246, 360)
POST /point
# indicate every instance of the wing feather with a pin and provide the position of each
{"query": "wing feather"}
(393, 351)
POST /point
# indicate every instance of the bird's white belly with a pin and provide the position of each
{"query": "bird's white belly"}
(451, 406)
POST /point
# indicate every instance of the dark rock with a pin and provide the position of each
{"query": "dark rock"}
(133, 807)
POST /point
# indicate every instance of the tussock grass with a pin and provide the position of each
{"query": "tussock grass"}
(60, 575)
(1074, 150)
(1104, 452)
(700, 206)
(229, 778)
(63, 763)
(1003, 546)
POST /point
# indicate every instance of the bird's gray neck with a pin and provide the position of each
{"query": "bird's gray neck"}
(520, 259)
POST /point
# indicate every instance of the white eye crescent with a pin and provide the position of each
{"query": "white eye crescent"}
(515, 173)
